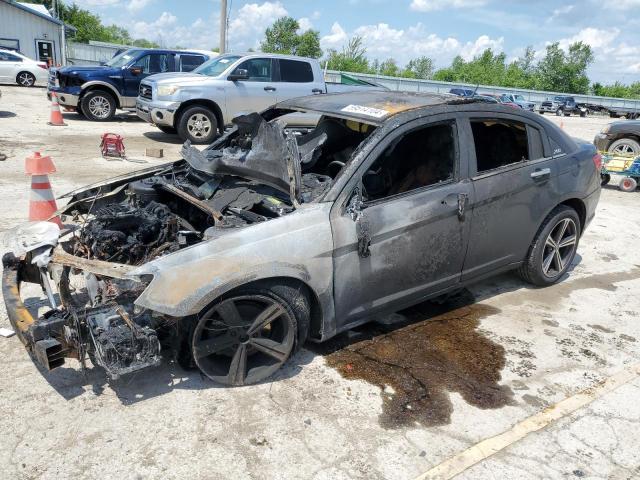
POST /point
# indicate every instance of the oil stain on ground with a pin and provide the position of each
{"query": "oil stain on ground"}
(437, 350)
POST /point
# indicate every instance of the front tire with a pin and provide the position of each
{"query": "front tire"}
(553, 248)
(559, 112)
(98, 106)
(26, 79)
(625, 146)
(246, 336)
(199, 125)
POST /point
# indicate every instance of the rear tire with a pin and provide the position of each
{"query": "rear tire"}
(249, 333)
(605, 178)
(628, 184)
(559, 112)
(199, 125)
(26, 79)
(553, 248)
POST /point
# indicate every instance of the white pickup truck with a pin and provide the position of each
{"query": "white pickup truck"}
(198, 105)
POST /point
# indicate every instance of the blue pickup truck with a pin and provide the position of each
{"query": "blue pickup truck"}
(96, 91)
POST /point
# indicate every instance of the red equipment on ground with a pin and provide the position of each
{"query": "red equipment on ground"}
(112, 145)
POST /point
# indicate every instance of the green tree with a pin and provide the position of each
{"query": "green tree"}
(283, 37)
(352, 58)
(421, 67)
(389, 68)
(565, 72)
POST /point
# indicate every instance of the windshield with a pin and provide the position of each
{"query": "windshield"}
(122, 59)
(216, 66)
(519, 97)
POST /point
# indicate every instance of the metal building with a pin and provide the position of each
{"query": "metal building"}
(32, 31)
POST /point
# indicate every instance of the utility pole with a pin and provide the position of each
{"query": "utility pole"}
(223, 26)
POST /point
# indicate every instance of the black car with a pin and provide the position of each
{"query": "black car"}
(619, 137)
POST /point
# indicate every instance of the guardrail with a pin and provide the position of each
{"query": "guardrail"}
(536, 96)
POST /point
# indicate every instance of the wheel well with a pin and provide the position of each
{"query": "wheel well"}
(213, 106)
(625, 136)
(315, 317)
(581, 210)
(25, 71)
(99, 87)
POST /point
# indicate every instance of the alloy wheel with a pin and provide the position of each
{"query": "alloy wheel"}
(99, 107)
(559, 247)
(199, 125)
(243, 340)
(624, 148)
(26, 79)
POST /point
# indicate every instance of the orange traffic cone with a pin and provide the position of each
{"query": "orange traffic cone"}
(42, 203)
(562, 124)
(56, 115)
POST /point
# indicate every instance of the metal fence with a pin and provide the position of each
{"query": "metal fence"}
(93, 53)
(536, 96)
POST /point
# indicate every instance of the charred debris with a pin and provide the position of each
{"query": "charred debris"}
(257, 172)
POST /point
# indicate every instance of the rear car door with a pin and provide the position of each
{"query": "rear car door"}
(515, 179)
(256, 93)
(296, 79)
(414, 185)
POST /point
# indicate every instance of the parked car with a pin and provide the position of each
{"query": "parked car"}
(518, 100)
(16, 68)
(97, 91)
(462, 92)
(501, 100)
(198, 106)
(563, 105)
(619, 137)
(240, 253)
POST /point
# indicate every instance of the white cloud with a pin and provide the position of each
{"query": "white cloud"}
(431, 5)
(166, 30)
(137, 5)
(382, 41)
(305, 24)
(598, 39)
(248, 26)
(620, 4)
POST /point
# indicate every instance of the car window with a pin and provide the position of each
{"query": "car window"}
(216, 66)
(295, 71)
(499, 143)
(7, 57)
(519, 97)
(154, 63)
(536, 147)
(420, 158)
(259, 69)
(189, 63)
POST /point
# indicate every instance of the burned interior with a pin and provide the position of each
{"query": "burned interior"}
(255, 173)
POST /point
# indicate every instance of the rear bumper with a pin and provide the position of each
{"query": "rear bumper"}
(548, 108)
(602, 142)
(591, 204)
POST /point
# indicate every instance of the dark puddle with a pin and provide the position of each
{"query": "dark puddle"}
(436, 350)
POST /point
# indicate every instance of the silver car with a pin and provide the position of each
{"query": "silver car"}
(238, 254)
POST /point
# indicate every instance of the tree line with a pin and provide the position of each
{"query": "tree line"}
(559, 70)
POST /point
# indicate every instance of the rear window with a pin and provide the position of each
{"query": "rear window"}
(189, 62)
(295, 71)
(499, 143)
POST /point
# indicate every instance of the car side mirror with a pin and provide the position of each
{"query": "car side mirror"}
(355, 209)
(238, 74)
(136, 70)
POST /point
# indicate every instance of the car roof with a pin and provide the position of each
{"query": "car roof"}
(369, 106)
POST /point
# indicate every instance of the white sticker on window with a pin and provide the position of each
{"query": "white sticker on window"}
(368, 111)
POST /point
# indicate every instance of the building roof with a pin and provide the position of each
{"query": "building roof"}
(34, 10)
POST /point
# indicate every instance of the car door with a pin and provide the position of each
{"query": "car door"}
(296, 79)
(514, 178)
(146, 65)
(255, 93)
(9, 66)
(407, 240)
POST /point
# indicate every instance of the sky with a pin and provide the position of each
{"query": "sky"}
(401, 29)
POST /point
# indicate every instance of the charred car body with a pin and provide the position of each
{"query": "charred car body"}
(236, 255)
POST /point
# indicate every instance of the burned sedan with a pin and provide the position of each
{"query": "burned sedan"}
(236, 255)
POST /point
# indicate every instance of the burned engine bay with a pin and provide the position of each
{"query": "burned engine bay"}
(256, 173)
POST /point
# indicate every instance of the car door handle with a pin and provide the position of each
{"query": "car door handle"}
(269, 89)
(459, 200)
(541, 173)
(317, 90)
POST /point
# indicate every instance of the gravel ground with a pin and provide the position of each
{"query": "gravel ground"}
(486, 362)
